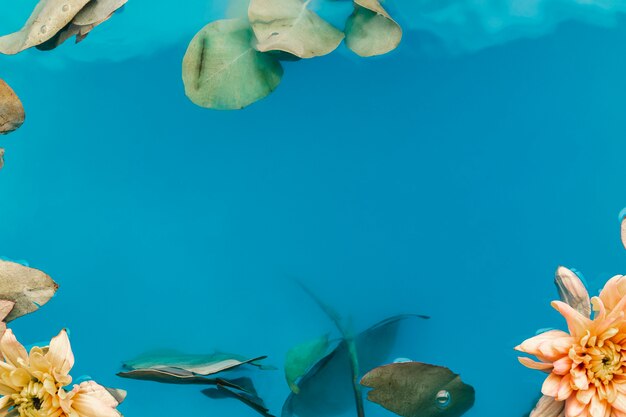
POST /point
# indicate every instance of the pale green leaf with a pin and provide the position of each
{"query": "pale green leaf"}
(300, 359)
(289, 26)
(370, 30)
(221, 69)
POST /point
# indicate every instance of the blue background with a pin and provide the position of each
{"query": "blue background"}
(451, 186)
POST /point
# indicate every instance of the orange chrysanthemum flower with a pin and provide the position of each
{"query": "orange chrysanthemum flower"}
(587, 365)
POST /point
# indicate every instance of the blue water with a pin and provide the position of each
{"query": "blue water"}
(451, 185)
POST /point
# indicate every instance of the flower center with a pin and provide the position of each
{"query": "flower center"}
(605, 362)
(28, 402)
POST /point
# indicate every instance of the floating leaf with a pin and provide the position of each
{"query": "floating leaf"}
(97, 11)
(195, 364)
(221, 69)
(414, 389)
(118, 394)
(572, 291)
(93, 14)
(247, 396)
(624, 232)
(289, 26)
(167, 376)
(27, 287)
(46, 20)
(370, 30)
(301, 358)
(11, 110)
(548, 407)
(326, 389)
(5, 309)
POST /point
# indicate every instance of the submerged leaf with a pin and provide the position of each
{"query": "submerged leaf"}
(414, 389)
(572, 291)
(624, 232)
(548, 407)
(289, 26)
(11, 110)
(248, 397)
(327, 389)
(370, 30)
(46, 20)
(221, 69)
(301, 358)
(27, 287)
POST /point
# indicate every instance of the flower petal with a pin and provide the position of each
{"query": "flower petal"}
(12, 351)
(613, 291)
(576, 322)
(550, 386)
(60, 354)
(565, 388)
(598, 407)
(548, 346)
(529, 363)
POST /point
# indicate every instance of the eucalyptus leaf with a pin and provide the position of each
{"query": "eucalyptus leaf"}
(46, 20)
(289, 26)
(251, 399)
(5, 308)
(194, 364)
(414, 389)
(624, 232)
(301, 358)
(370, 30)
(572, 290)
(548, 407)
(167, 376)
(27, 287)
(221, 69)
(12, 113)
(93, 14)
(118, 394)
(97, 11)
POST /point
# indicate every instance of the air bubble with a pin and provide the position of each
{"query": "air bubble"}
(43, 29)
(442, 399)
(402, 360)
(66, 8)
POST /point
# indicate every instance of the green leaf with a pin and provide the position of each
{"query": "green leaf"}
(27, 287)
(370, 30)
(414, 389)
(221, 69)
(289, 26)
(303, 357)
